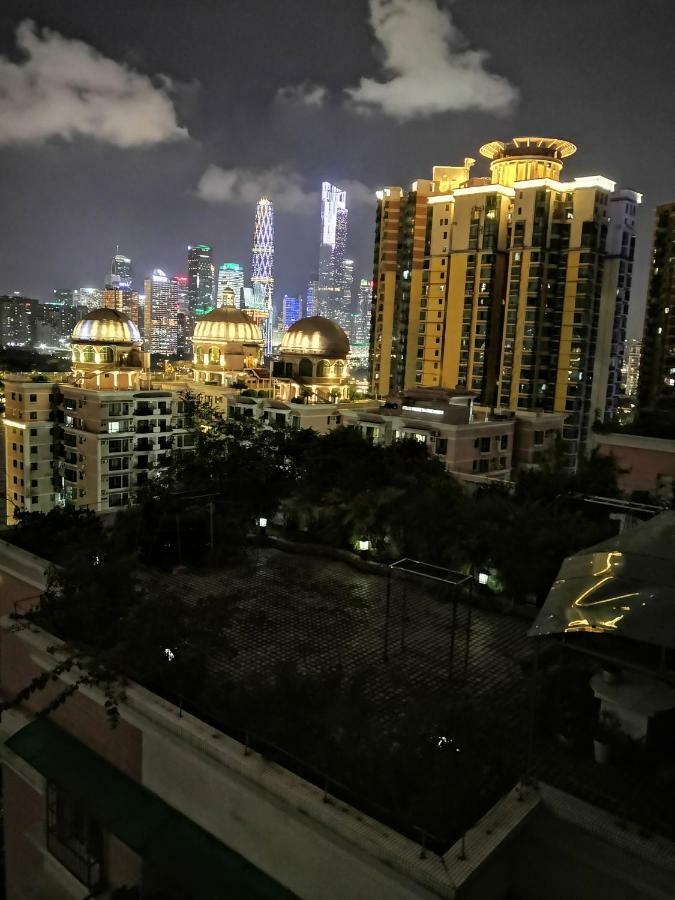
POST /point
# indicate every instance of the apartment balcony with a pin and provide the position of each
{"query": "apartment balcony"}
(146, 411)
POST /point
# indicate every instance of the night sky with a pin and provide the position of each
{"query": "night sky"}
(156, 123)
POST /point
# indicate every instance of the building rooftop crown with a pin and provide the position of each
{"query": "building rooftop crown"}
(227, 323)
(316, 335)
(106, 326)
(540, 147)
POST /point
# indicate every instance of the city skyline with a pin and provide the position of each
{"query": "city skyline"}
(183, 174)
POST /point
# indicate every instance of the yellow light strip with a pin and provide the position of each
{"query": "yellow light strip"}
(14, 424)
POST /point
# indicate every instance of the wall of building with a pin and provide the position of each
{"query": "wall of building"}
(645, 463)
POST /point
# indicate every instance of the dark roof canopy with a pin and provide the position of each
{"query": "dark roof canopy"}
(623, 586)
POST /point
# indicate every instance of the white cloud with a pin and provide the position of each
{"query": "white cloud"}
(306, 94)
(428, 66)
(287, 189)
(65, 88)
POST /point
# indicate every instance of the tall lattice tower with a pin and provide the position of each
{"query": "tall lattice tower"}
(262, 261)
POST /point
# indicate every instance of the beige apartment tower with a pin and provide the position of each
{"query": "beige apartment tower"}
(515, 286)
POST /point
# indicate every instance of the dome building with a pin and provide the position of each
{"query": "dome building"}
(106, 350)
(225, 342)
(313, 357)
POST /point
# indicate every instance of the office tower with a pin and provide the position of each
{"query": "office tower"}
(310, 298)
(292, 311)
(120, 275)
(262, 264)
(18, 317)
(179, 292)
(631, 367)
(361, 321)
(515, 286)
(657, 366)
(230, 275)
(344, 301)
(122, 299)
(331, 283)
(88, 297)
(246, 298)
(161, 324)
(200, 279)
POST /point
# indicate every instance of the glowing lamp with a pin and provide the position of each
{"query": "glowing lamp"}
(364, 545)
(483, 578)
(262, 522)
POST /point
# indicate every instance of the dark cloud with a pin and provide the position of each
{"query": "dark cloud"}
(594, 73)
(65, 88)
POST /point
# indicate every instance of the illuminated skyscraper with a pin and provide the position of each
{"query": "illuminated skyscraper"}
(230, 275)
(88, 297)
(292, 311)
(262, 262)
(179, 292)
(120, 275)
(184, 318)
(515, 286)
(361, 324)
(310, 299)
(331, 285)
(344, 311)
(161, 324)
(200, 279)
(122, 299)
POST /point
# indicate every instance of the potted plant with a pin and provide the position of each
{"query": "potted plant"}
(608, 733)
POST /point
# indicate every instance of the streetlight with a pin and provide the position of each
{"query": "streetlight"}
(262, 522)
(483, 577)
(364, 545)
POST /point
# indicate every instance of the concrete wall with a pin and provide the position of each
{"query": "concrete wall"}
(645, 463)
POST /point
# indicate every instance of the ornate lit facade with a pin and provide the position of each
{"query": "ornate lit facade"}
(312, 362)
(106, 351)
(515, 285)
(225, 342)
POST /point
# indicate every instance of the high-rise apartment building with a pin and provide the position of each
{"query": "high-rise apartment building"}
(292, 311)
(230, 275)
(657, 366)
(330, 294)
(200, 272)
(515, 286)
(121, 274)
(161, 324)
(89, 438)
(360, 333)
(18, 318)
(262, 264)
(631, 367)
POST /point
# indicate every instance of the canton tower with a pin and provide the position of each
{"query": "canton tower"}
(262, 262)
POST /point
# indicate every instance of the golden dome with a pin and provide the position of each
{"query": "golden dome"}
(227, 324)
(106, 326)
(316, 336)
